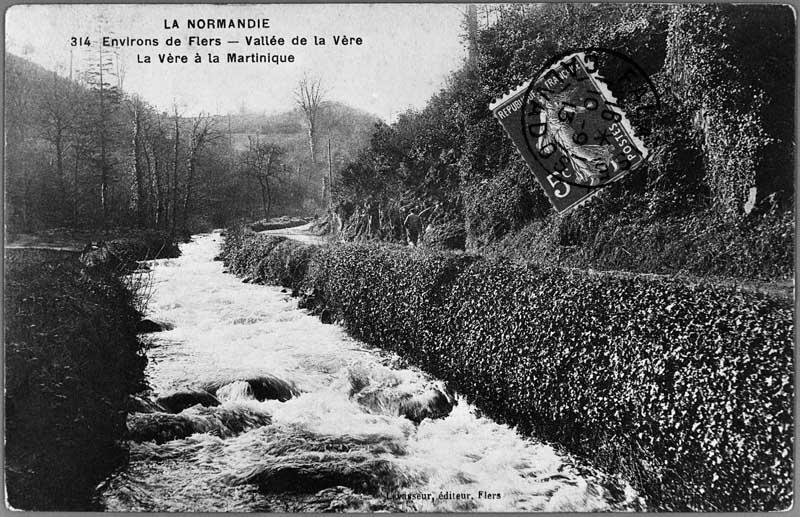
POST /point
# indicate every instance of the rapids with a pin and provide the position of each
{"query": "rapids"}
(310, 420)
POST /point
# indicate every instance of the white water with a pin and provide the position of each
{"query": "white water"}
(227, 331)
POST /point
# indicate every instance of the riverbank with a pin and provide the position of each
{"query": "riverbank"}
(686, 390)
(140, 244)
(348, 427)
(72, 359)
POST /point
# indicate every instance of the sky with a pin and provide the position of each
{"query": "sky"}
(407, 52)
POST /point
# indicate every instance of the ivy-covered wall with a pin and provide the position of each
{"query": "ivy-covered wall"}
(732, 67)
(687, 391)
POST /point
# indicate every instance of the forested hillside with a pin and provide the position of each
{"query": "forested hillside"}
(83, 153)
(300, 187)
(715, 198)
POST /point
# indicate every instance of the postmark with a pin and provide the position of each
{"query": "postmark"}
(570, 122)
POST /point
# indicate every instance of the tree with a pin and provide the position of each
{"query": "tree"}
(64, 138)
(201, 133)
(309, 97)
(108, 98)
(175, 161)
(156, 153)
(138, 113)
(262, 161)
(20, 104)
(58, 120)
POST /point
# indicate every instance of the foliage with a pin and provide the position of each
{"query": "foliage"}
(513, 194)
(95, 157)
(759, 247)
(731, 65)
(72, 358)
(143, 245)
(723, 75)
(685, 390)
(446, 235)
(265, 258)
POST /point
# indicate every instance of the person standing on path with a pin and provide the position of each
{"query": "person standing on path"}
(413, 227)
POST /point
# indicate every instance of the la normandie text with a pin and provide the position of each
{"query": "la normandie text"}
(219, 23)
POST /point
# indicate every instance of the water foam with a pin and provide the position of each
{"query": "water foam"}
(359, 431)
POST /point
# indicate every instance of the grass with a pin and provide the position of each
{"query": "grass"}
(700, 245)
(72, 359)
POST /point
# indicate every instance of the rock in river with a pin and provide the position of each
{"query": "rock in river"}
(219, 421)
(137, 404)
(262, 387)
(146, 326)
(179, 400)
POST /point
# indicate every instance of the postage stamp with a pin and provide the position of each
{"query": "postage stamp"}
(569, 123)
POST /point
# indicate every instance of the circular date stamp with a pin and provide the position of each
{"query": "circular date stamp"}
(574, 118)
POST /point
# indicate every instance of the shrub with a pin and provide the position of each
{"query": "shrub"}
(251, 260)
(142, 245)
(267, 258)
(287, 264)
(515, 201)
(685, 390)
(757, 247)
(448, 235)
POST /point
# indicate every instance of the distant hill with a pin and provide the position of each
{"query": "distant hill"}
(348, 128)
(20, 65)
(32, 92)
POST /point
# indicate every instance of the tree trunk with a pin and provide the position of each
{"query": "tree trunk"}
(269, 197)
(62, 183)
(312, 134)
(149, 183)
(141, 193)
(159, 223)
(264, 202)
(103, 159)
(174, 196)
(188, 197)
(76, 190)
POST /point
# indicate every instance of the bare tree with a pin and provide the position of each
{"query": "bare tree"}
(262, 162)
(100, 75)
(174, 181)
(58, 113)
(309, 97)
(156, 152)
(202, 133)
(138, 112)
(108, 98)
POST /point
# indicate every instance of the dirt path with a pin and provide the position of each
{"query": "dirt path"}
(298, 233)
(39, 242)
(782, 289)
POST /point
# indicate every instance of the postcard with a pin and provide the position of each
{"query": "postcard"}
(423, 257)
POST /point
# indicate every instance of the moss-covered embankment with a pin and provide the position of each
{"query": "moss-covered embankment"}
(72, 357)
(687, 391)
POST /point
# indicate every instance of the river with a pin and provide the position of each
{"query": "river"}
(344, 440)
